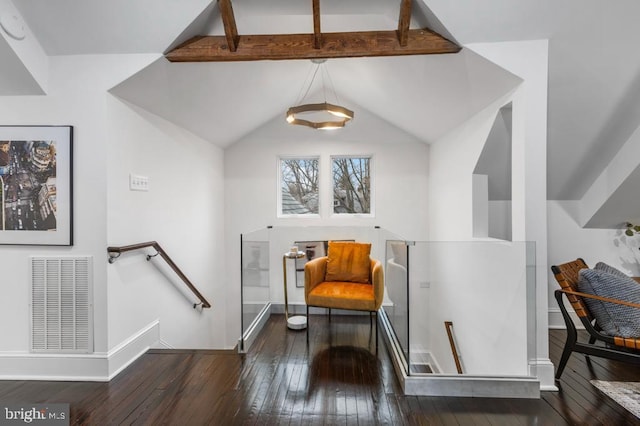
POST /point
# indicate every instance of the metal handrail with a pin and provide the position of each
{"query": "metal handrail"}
(115, 252)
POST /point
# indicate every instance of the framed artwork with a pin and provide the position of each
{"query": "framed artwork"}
(36, 180)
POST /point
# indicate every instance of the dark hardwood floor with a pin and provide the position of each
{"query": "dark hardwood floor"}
(337, 380)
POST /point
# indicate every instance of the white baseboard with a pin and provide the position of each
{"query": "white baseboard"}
(544, 370)
(95, 367)
(131, 349)
(253, 330)
(57, 367)
(557, 322)
(162, 345)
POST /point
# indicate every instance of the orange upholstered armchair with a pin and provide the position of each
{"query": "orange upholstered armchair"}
(347, 278)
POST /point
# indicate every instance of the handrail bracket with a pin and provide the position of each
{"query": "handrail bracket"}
(149, 256)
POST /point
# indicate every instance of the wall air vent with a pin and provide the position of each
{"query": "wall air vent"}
(61, 304)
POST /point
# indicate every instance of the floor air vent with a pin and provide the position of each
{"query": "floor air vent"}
(61, 304)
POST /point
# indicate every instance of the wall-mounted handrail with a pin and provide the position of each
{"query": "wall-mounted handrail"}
(115, 252)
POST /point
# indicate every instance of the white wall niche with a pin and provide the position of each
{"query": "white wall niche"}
(492, 178)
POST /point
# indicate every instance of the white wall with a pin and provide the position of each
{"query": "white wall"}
(568, 241)
(453, 157)
(480, 205)
(452, 161)
(251, 172)
(111, 139)
(78, 101)
(529, 61)
(489, 314)
(25, 67)
(462, 275)
(612, 199)
(182, 211)
(500, 219)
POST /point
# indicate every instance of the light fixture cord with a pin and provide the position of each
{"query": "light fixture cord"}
(333, 89)
(324, 85)
(315, 69)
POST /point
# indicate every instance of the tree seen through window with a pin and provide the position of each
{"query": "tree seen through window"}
(351, 185)
(299, 185)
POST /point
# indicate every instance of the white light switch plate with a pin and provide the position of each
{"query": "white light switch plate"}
(138, 183)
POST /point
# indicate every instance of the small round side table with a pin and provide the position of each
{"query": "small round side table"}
(296, 322)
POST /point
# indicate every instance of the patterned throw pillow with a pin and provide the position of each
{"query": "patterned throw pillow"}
(348, 261)
(601, 266)
(615, 320)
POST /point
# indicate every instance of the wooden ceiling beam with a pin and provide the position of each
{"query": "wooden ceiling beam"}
(317, 34)
(229, 22)
(302, 46)
(404, 21)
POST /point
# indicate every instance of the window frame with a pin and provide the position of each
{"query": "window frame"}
(370, 158)
(280, 182)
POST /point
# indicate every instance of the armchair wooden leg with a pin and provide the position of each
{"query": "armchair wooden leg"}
(566, 353)
(329, 314)
(572, 336)
(307, 325)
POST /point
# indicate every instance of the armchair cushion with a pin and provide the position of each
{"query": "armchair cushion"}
(615, 320)
(343, 295)
(348, 262)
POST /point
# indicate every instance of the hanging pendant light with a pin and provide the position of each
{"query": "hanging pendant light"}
(322, 115)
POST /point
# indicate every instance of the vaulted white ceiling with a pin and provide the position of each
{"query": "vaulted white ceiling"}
(594, 66)
(426, 97)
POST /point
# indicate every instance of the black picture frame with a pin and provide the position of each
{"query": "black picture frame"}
(36, 193)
